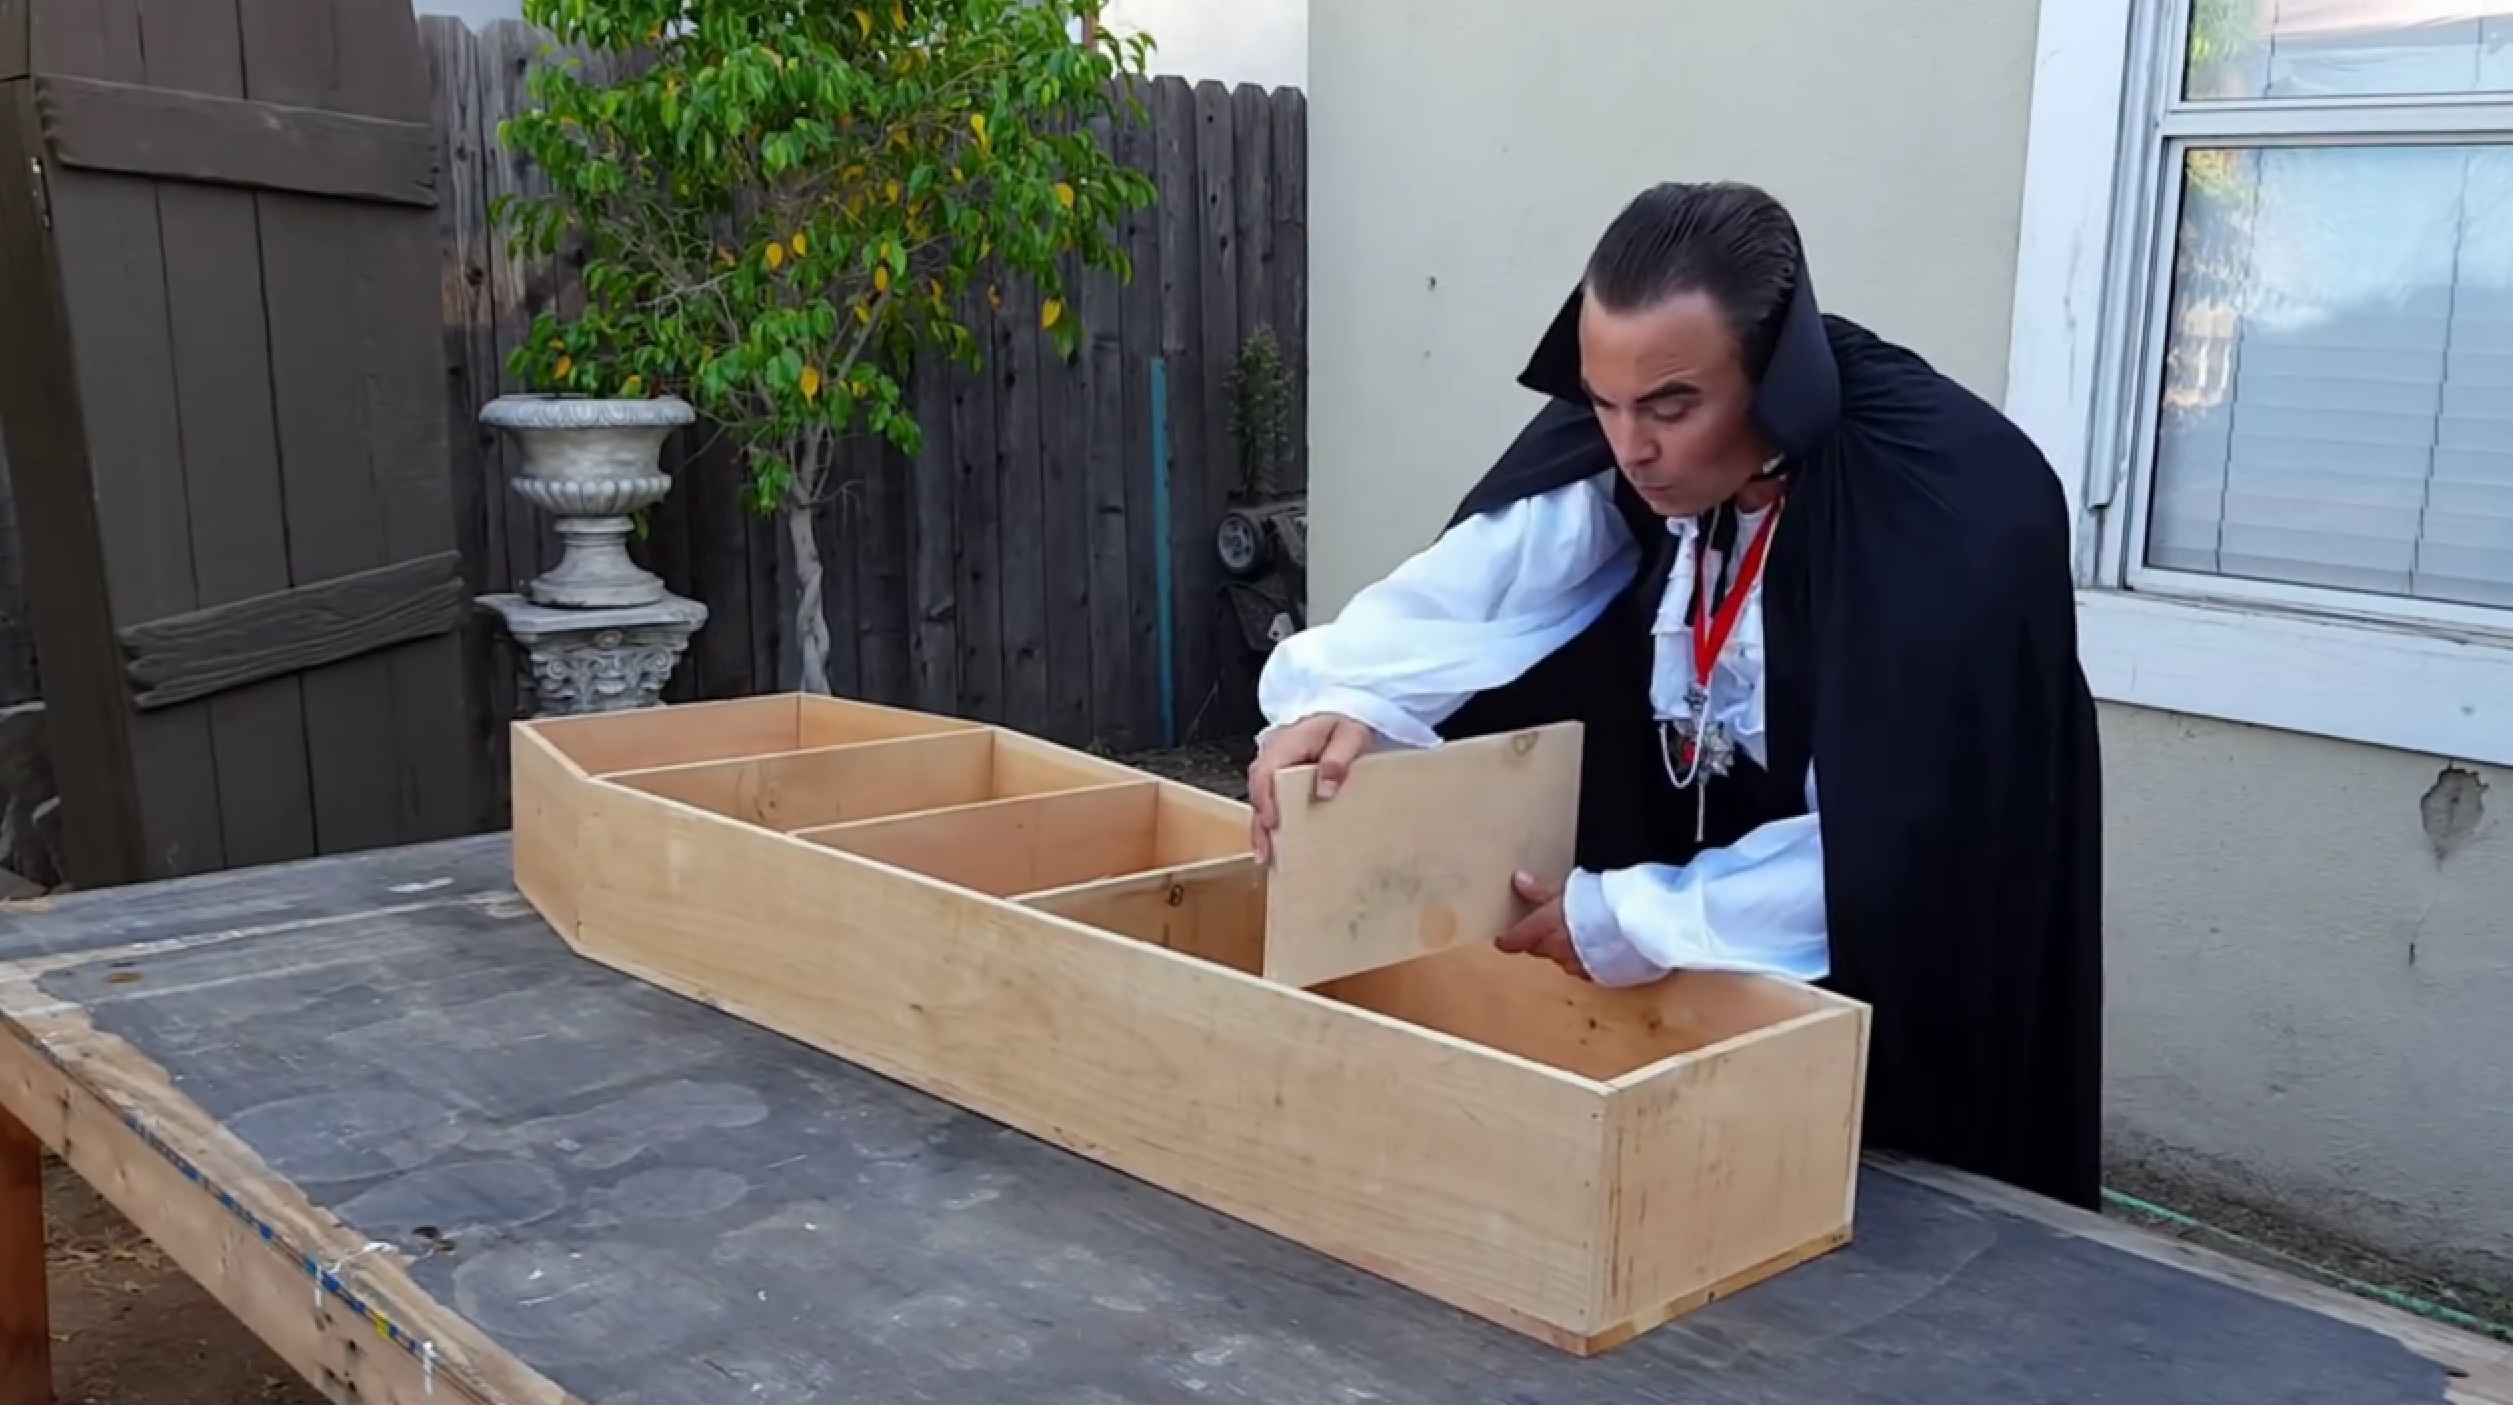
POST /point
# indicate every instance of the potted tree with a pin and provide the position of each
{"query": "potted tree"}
(781, 207)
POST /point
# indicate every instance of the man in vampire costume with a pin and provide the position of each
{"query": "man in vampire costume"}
(1811, 601)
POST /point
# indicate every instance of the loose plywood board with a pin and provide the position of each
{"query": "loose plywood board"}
(1415, 852)
(1461, 1123)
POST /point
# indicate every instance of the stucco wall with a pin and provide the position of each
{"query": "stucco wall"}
(1464, 154)
(2272, 1035)
(2311, 948)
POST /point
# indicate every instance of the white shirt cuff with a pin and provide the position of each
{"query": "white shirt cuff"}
(1609, 956)
(1392, 723)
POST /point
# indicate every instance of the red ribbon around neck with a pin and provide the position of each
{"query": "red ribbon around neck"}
(1710, 636)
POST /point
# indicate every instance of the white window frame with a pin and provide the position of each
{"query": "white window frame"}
(2428, 677)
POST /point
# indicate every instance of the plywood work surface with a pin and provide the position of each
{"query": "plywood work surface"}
(565, 1184)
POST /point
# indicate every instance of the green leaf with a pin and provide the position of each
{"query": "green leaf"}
(850, 147)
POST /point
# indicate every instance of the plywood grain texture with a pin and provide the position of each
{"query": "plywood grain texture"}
(1075, 952)
(793, 790)
(1212, 910)
(1416, 852)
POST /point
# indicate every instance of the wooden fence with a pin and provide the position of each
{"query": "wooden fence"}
(18, 681)
(1047, 561)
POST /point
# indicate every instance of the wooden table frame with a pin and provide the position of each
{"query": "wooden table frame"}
(289, 1274)
(354, 1323)
(25, 1316)
(335, 1336)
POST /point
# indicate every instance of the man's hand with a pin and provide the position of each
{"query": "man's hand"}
(1334, 743)
(1543, 932)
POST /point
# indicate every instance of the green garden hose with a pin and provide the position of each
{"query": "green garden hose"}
(2392, 1297)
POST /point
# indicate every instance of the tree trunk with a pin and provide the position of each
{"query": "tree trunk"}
(811, 622)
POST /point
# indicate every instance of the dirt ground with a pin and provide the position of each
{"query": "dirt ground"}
(131, 1329)
(1221, 767)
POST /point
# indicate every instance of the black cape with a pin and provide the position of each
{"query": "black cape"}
(1921, 655)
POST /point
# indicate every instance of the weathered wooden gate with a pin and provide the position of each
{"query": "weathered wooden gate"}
(221, 386)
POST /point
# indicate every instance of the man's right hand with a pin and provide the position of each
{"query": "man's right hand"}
(1334, 743)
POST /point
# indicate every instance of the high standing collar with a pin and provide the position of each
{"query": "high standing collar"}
(1796, 405)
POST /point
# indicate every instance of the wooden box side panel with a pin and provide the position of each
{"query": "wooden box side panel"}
(1731, 1165)
(1466, 1175)
(546, 791)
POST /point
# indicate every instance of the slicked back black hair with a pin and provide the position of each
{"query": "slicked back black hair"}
(1729, 240)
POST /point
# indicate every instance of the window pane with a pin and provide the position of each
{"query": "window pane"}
(2348, 48)
(2338, 397)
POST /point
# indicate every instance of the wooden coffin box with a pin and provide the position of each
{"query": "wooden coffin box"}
(1075, 948)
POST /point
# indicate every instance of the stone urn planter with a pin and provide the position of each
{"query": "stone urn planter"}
(591, 464)
(599, 633)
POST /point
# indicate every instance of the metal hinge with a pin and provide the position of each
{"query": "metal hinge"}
(42, 187)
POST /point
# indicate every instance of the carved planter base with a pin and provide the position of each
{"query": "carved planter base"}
(588, 661)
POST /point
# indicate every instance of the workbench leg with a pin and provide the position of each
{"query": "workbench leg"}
(25, 1318)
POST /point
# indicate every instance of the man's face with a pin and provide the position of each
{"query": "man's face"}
(1672, 398)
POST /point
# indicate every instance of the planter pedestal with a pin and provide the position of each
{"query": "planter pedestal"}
(580, 661)
(599, 633)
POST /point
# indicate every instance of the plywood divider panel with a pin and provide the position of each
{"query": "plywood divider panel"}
(1416, 852)
(1477, 1186)
(1189, 810)
(1026, 765)
(1002, 847)
(672, 736)
(865, 780)
(824, 721)
(649, 738)
(829, 785)
(1193, 820)
(1197, 824)
(1764, 1125)
(1213, 909)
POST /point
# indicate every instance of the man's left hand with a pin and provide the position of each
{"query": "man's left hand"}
(1543, 932)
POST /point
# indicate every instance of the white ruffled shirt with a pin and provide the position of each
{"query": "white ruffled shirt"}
(1486, 601)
